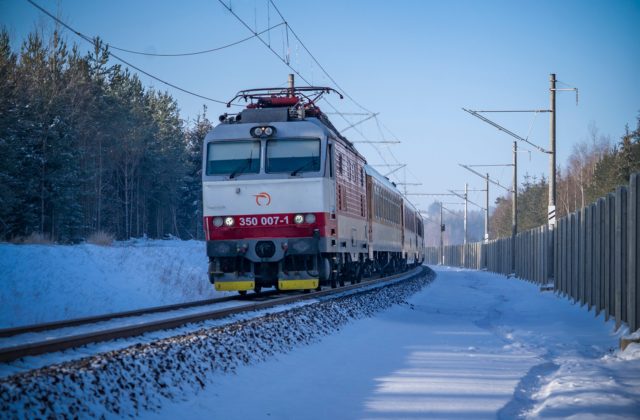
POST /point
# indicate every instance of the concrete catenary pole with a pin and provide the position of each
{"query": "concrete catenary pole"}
(486, 212)
(441, 237)
(514, 208)
(552, 155)
(552, 178)
(466, 194)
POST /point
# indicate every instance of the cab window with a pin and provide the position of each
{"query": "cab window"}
(293, 155)
(233, 158)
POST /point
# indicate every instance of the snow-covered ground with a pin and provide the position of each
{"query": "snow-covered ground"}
(471, 345)
(41, 283)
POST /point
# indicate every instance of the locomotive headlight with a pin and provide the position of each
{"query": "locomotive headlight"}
(310, 218)
(256, 131)
(266, 131)
(228, 221)
(218, 221)
(298, 219)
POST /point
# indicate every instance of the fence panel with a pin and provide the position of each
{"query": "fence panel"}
(581, 257)
(620, 261)
(588, 261)
(558, 258)
(600, 212)
(608, 253)
(633, 254)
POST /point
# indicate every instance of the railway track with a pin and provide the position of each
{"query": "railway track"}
(16, 343)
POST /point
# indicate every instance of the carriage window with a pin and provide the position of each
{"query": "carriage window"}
(293, 155)
(233, 158)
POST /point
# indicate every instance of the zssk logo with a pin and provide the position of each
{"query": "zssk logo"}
(263, 199)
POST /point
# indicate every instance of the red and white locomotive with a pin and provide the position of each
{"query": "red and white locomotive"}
(289, 202)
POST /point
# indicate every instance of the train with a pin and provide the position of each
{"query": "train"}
(288, 202)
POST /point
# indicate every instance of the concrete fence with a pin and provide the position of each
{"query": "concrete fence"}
(590, 257)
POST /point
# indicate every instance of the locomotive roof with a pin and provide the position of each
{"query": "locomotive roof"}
(293, 103)
(285, 114)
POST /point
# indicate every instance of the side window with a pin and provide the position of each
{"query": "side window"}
(340, 163)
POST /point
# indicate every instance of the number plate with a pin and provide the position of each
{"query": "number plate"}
(250, 221)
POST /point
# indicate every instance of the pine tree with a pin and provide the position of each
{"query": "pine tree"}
(191, 211)
(10, 111)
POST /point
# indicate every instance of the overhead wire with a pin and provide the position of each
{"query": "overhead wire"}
(93, 41)
(233, 44)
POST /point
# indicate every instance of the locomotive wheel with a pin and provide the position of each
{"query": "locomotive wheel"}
(242, 292)
(324, 271)
(257, 289)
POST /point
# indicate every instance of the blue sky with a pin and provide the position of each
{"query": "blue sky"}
(417, 63)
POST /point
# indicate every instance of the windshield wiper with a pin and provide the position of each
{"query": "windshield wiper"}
(313, 160)
(243, 167)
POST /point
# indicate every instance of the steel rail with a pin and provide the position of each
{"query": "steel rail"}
(54, 325)
(8, 354)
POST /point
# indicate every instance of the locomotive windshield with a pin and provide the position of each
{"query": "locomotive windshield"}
(293, 155)
(233, 158)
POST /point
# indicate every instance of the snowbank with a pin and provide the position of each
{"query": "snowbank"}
(41, 283)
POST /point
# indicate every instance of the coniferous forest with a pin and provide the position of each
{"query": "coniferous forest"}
(85, 147)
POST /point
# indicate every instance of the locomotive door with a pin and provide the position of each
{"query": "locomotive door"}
(332, 175)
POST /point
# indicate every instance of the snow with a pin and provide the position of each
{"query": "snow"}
(468, 345)
(471, 345)
(43, 283)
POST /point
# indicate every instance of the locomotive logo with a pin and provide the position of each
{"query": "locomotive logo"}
(263, 199)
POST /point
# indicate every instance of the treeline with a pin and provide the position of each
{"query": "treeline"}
(595, 168)
(84, 147)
